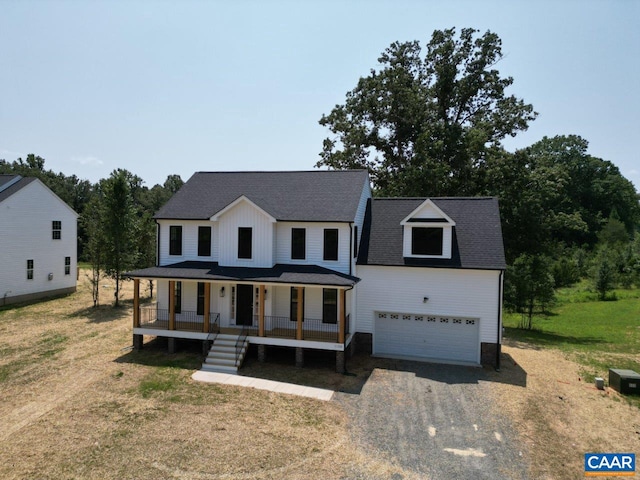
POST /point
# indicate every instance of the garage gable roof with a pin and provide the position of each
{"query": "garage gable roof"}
(315, 196)
(477, 235)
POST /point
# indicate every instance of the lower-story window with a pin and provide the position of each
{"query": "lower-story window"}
(177, 297)
(29, 269)
(200, 306)
(293, 313)
(67, 265)
(329, 305)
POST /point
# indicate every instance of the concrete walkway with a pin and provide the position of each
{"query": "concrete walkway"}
(262, 384)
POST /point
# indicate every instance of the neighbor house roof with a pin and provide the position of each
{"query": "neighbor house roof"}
(10, 184)
(279, 273)
(477, 236)
(320, 196)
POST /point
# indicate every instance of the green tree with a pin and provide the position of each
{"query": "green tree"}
(95, 248)
(604, 276)
(529, 286)
(119, 224)
(421, 125)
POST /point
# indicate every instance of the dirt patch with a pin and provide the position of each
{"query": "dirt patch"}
(561, 417)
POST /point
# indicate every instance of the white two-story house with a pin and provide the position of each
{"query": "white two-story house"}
(38, 241)
(309, 260)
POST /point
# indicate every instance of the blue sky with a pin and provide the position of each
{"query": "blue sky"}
(177, 87)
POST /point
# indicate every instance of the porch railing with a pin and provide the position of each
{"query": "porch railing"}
(153, 317)
(285, 327)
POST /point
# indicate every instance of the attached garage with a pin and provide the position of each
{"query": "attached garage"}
(427, 337)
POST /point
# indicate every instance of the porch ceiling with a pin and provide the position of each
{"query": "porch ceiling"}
(279, 273)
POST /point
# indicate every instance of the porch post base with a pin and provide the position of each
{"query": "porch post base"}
(262, 353)
(171, 345)
(299, 357)
(340, 362)
(137, 342)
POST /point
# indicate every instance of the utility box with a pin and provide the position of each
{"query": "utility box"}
(624, 381)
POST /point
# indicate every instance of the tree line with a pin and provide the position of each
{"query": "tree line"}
(427, 122)
(431, 122)
(116, 230)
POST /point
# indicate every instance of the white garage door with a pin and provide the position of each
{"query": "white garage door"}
(451, 339)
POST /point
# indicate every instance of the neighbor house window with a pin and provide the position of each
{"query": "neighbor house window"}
(177, 297)
(330, 244)
(204, 241)
(56, 229)
(426, 241)
(200, 304)
(329, 305)
(298, 243)
(244, 242)
(293, 311)
(29, 269)
(67, 265)
(175, 240)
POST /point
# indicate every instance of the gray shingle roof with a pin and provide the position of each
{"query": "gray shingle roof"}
(279, 273)
(321, 195)
(477, 236)
(20, 184)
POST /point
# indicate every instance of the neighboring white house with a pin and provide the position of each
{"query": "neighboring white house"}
(309, 260)
(38, 241)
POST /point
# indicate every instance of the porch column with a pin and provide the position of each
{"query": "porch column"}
(300, 313)
(207, 304)
(172, 305)
(136, 303)
(261, 313)
(341, 314)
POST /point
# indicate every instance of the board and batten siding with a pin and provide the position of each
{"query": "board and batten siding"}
(26, 234)
(315, 245)
(246, 215)
(189, 241)
(450, 292)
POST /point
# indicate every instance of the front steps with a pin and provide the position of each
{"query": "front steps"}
(223, 357)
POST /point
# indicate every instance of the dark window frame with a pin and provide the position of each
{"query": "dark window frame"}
(298, 244)
(67, 265)
(331, 242)
(245, 243)
(175, 240)
(330, 306)
(30, 269)
(200, 298)
(204, 241)
(355, 241)
(178, 297)
(56, 229)
(427, 241)
(293, 311)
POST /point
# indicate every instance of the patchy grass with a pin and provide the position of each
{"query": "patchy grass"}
(598, 335)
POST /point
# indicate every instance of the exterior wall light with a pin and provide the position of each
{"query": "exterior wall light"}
(425, 299)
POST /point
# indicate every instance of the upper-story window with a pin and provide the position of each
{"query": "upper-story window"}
(204, 241)
(426, 241)
(56, 229)
(298, 243)
(175, 240)
(355, 241)
(330, 244)
(245, 242)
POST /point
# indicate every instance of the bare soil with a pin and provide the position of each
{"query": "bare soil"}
(561, 417)
(77, 402)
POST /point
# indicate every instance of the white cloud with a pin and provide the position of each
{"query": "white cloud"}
(10, 155)
(87, 160)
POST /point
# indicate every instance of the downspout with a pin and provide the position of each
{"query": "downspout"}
(157, 244)
(498, 342)
(350, 247)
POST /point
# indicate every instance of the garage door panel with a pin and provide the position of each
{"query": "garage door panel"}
(424, 336)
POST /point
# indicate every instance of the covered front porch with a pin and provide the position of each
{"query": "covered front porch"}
(290, 306)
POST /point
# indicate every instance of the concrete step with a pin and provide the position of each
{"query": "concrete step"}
(220, 361)
(219, 369)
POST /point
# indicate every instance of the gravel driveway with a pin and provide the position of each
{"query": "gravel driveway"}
(435, 421)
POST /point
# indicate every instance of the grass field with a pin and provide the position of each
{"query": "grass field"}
(596, 334)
